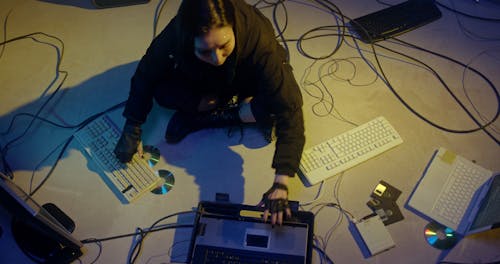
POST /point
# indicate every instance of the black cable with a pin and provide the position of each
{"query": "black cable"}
(35, 116)
(281, 31)
(467, 95)
(5, 31)
(305, 36)
(32, 36)
(348, 215)
(331, 9)
(137, 247)
(93, 240)
(313, 33)
(382, 73)
(136, 250)
(342, 212)
(60, 53)
(472, 34)
(430, 69)
(143, 233)
(388, 84)
(323, 253)
(332, 205)
(334, 10)
(159, 9)
(425, 119)
(66, 144)
(474, 119)
(5, 149)
(99, 244)
(11, 124)
(80, 125)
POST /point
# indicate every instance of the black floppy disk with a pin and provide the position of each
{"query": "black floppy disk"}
(385, 191)
(388, 210)
(383, 203)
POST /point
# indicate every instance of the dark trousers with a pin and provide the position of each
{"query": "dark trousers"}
(181, 94)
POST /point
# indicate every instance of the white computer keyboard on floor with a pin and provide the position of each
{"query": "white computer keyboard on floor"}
(347, 150)
(128, 181)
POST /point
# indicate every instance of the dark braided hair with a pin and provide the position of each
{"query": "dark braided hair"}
(197, 17)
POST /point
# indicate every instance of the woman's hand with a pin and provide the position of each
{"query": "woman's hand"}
(275, 200)
(129, 143)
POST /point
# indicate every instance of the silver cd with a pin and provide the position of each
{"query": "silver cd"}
(151, 154)
(440, 236)
(167, 183)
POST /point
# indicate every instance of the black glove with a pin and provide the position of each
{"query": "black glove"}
(128, 142)
(275, 205)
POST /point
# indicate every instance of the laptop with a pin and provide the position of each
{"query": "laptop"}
(458, 194)
(236, 233)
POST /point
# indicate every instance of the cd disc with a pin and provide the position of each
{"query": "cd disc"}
(151, 154)
(167, 182)
(440, 236)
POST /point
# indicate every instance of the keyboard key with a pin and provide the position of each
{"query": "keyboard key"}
(133, 179)
(348, 149)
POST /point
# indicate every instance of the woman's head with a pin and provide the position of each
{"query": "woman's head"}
(207, 26)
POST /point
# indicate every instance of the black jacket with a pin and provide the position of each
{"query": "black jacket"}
(258, 58)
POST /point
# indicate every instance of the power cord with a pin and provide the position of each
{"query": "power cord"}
(142, 233)
(5, 32)
(60, 53)
(474, 119)
(321, 243)
(381, 73)
(136, 250)
(158, 10)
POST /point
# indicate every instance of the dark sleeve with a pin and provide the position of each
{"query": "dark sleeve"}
(154, 65)
(282, 96)
(286, 104)
(289, 129)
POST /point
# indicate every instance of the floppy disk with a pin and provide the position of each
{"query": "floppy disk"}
(383, 202)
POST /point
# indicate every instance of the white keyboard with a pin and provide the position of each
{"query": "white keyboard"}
(460, 187)
(128, 181)
(348, 149)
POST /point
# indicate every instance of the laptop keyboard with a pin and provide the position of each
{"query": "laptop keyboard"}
(459, 189)
(216, 255)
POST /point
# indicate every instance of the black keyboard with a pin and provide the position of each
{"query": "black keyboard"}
(215, 255)
(394, 20)
(116, 3)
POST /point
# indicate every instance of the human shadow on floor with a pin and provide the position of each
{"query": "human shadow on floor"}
(216, 168)
(204, 155)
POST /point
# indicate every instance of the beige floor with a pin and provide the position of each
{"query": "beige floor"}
(101, 50)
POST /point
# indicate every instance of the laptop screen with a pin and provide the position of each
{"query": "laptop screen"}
(488, 216)
(227, 237)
